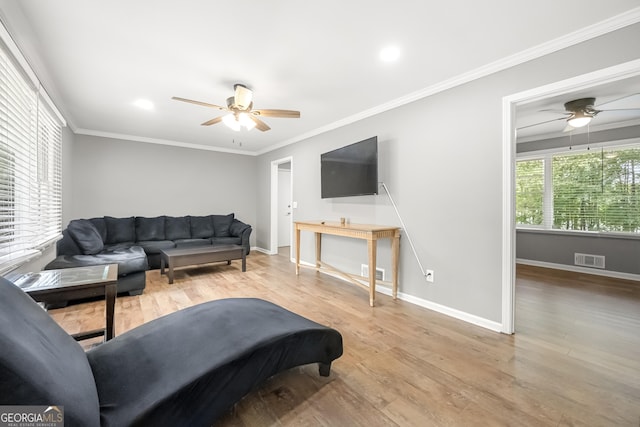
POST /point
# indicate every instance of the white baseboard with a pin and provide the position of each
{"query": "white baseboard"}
(430, 305)
(264, 251)
(579, 269)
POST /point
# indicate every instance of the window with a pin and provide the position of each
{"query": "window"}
(30, 162)
(591, 190)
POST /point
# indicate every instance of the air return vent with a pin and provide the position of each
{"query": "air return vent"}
(587, 260)
(364, 272)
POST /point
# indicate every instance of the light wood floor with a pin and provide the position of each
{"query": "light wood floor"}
(574, 361)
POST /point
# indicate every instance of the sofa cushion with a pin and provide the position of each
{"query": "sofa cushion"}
(149, 228)
(101, 226)
(155, 246)
(222, 224)
(201, 227)
(40, 364)
(130, 259)
(120, 230)
(231, 240)
(85, 235)
(177, 228)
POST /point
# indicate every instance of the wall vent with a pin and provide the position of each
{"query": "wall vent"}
(364, 272)
(587, 260)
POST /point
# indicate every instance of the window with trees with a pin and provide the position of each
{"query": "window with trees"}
(583, 190)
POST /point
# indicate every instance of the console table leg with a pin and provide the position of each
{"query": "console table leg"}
(318, 249)
(395, 256)
(372, 271)
(297, 250)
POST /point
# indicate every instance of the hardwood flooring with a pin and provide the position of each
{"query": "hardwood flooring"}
(574, 361)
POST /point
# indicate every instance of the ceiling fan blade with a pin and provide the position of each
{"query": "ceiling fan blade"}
(204, 104)
(260, 125)
(620, 109)
(212, 121)
(541, 123)
(277, 113)
(242, 97)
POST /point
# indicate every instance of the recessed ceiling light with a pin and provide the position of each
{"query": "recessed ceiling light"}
(389, 54)
(145, 104)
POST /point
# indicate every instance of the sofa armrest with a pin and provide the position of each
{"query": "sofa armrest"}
(242, 230)
(66, 245)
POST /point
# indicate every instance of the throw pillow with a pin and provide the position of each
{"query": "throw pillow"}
(148, 229)
(201, 227)
(221, 224)
(177, 228)
(120, 230)
(86, 236)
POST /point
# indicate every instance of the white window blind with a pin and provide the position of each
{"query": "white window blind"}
(30, 165)
(595, 190)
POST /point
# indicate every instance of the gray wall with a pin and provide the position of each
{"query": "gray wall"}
(446, 178)
(621, 254)
(124, 178)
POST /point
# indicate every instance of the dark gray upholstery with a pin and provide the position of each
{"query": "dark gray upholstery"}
(177, 228)
(185, 369)
(86, 236)
(222, 225)
(120, 230)
(149, 235)
(201, 227)
(130, 259)
(150, 228)
(40, 364)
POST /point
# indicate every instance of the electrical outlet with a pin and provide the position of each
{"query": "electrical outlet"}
(429, 276)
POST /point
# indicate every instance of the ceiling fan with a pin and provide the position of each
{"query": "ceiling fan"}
(241, 111)
(580, 112)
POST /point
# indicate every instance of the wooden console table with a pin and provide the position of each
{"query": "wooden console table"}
(370, 233)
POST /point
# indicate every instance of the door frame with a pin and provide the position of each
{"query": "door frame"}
(509, 104)
(273, 250)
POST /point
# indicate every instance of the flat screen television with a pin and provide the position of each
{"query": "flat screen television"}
(351, 170)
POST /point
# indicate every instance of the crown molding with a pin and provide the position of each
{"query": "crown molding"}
(601, 28)
(584, 34)
(90, 132)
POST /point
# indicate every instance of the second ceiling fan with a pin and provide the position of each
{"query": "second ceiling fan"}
(580, 112)
(241, 111)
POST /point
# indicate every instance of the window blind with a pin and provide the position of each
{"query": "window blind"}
(30, 165)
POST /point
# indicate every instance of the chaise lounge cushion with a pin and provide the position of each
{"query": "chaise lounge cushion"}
(40, 364)
(231, 346)
(86, 236)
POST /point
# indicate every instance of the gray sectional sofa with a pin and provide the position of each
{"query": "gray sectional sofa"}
(134, 243)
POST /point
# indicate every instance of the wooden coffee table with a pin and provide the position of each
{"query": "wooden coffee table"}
(55, 286)
(181, 257)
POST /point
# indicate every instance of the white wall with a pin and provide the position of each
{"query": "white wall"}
(441, 158)
(124, 178)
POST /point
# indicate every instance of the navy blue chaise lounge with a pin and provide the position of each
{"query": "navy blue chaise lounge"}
(184, 369)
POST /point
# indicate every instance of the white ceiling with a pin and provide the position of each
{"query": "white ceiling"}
(96, 57)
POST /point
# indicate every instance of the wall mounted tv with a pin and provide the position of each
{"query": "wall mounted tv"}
(350, 170)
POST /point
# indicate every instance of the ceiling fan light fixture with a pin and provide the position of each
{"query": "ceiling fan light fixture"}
(230, 121)
(245, 120)
(579, 119)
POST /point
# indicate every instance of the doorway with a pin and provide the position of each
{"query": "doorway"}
(281, 207)
(509, 104)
